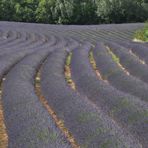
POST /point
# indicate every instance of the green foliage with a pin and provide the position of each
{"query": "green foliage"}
(68, 60)
(142, 34)
(45, 11)
(119, 11)
(6, 10)
(114, 57)
(74, 11)
(86, 117)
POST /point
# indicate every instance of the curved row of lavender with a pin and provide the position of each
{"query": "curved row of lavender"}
(110, 112)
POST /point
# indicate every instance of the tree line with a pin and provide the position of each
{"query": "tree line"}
(74, 11)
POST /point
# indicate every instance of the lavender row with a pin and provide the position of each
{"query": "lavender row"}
(130, 62)
(126, 110)
(28, 122)
(89, 126)
(110, 69)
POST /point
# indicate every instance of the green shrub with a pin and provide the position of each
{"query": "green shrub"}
(142, 34)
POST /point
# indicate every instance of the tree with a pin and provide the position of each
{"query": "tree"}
(84, 12)
(25, 10)
(7, 10)
(45, 11)
(63, 11)
(119, 11)
(74, 11)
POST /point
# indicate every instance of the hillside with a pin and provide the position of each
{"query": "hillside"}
(72, 86)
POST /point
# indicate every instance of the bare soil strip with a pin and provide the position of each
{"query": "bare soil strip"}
(58, 122)
(93, 63)
(141, 61)
(3, 132)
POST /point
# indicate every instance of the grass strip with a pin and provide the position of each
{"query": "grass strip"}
(142, 34)
(67, 72)
(116, 60)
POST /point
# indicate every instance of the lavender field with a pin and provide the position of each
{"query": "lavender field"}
(73, 86)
